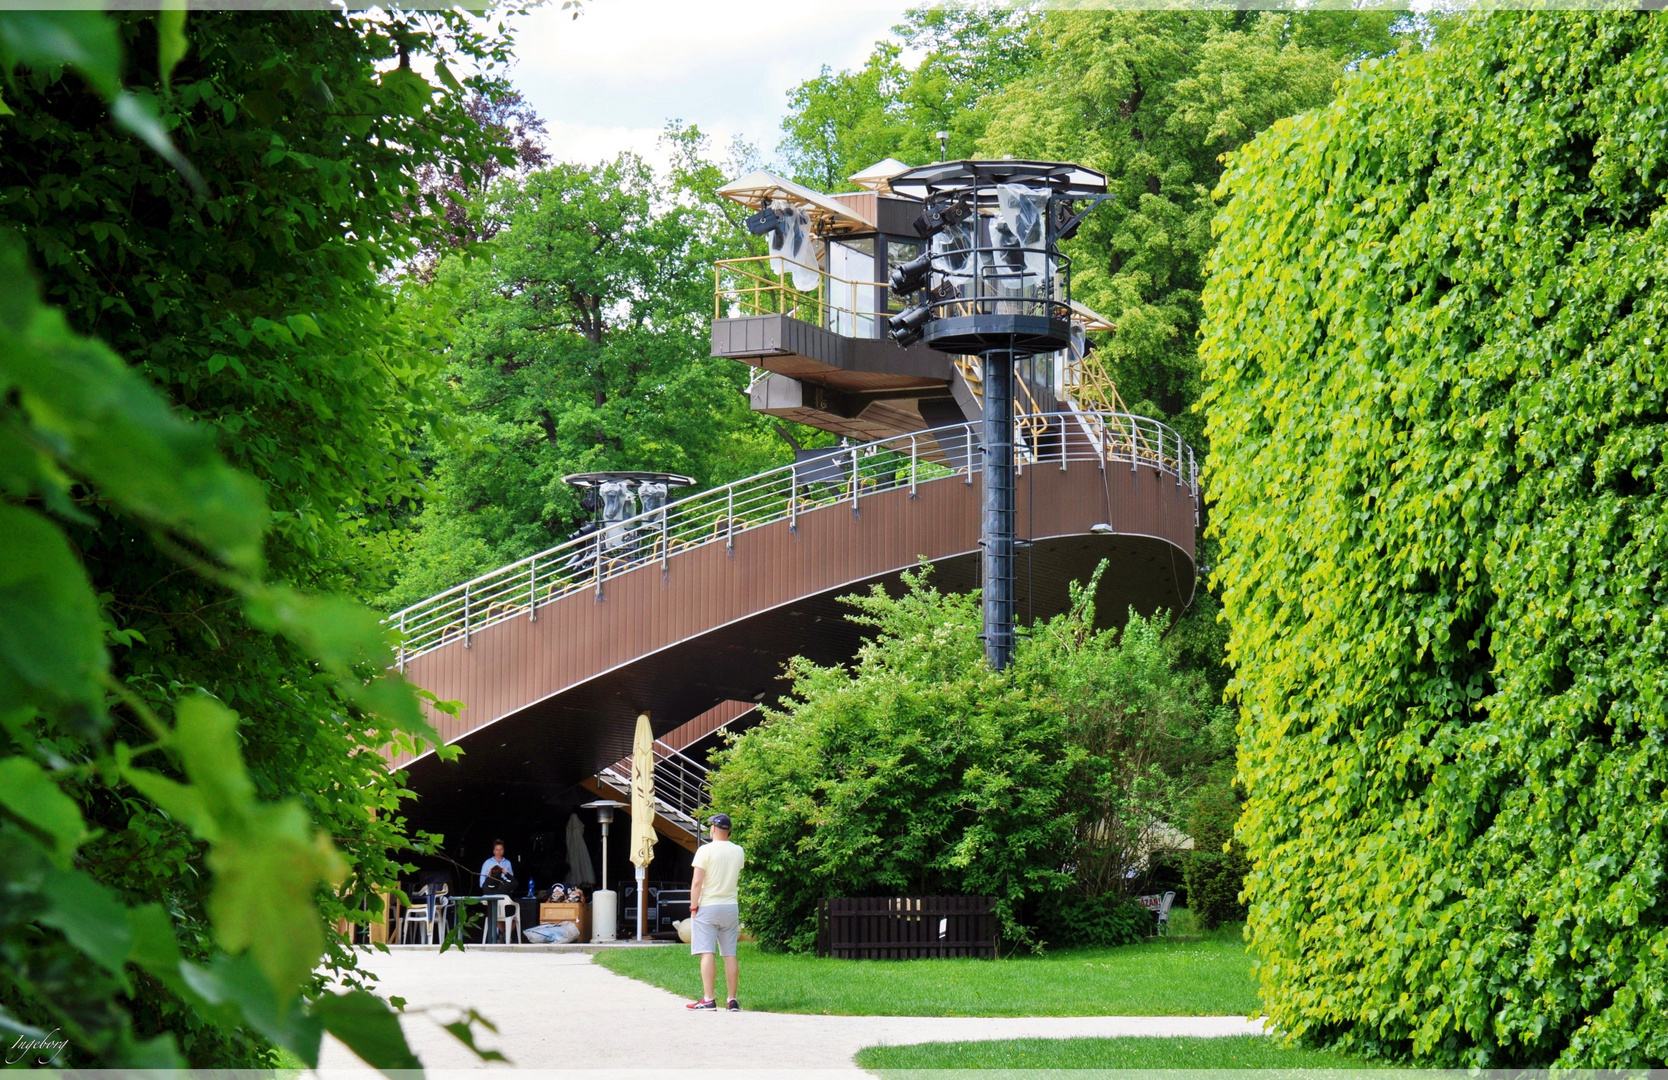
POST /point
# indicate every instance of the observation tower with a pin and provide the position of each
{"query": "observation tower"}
(923, 325)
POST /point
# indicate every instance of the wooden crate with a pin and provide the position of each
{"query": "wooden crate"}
(565, 912)
(906, 927)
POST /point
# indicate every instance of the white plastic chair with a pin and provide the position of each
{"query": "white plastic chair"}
(418, 914)
(507, 910)
(1164, 914)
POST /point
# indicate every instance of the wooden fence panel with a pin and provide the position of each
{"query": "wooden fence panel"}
(906, 927)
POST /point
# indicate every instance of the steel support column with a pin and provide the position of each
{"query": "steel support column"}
(996, 532)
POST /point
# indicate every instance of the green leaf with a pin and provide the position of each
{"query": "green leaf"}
(181, 802)
(366, 1024)
(464, 1031)
(139, 115)
(171, 43)
(118, 432)
(155, 949)
(265, 878)
(342, 635)
(90, 916)
(84, 40)
(30, 792)
(242, 994)
(446, 76)
(52, 639)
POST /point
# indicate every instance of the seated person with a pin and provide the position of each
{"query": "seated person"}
(497, 870)
(497, 866)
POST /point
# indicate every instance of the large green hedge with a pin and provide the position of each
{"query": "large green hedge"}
(1438, 407)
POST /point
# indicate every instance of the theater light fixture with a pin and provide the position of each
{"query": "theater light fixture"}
(911, 276)
(937, 215)
(905, 327)
(766, 220)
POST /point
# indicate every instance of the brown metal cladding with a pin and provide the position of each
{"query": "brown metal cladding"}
(548, 701)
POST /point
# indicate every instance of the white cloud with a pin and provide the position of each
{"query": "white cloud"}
(611, 79)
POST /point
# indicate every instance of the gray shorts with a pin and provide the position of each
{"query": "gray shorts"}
(715, 930)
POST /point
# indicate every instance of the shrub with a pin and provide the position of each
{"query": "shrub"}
(1215, 868)
(1108, 919)
(1437, 406)
(921, 771)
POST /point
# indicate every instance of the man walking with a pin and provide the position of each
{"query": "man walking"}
(714, 914)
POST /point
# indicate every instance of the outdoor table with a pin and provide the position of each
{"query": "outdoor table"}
(491, 902)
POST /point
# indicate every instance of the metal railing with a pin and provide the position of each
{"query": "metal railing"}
(843, 306)
(680, 785)
(845, 475)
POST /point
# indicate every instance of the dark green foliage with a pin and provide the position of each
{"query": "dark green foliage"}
(1078, 920)
(188, 763)
(1438, 404)
(1215, 869)
(921, 771)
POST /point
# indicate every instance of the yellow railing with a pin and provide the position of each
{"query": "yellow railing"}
(749, 286)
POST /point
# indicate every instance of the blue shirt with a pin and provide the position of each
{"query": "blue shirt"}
(486, 868)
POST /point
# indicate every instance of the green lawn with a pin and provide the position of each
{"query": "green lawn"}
(1233, 1052)
(1206, 977)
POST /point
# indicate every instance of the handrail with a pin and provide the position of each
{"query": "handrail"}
(782, 494)
(755, 289)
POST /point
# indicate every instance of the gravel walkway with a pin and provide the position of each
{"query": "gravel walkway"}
(562, 1012)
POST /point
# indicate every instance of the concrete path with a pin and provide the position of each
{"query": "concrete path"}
(562, 1012)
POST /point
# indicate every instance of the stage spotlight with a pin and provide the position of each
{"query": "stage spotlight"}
(764, 221)
(911, 276)
(905, 327)
(938, 215)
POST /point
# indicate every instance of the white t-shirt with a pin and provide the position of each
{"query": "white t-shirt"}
(722, 862)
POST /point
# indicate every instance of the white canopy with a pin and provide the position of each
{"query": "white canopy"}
(828, 217)
(877, 177)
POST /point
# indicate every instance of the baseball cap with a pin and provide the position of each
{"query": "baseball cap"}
(719, 821)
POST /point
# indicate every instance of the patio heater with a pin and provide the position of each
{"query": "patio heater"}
(605, 902)
(993, 284)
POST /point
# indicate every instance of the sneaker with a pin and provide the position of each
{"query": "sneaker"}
(734, 1005)
(704, 1005)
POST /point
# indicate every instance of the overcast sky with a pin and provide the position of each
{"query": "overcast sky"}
(609, 80)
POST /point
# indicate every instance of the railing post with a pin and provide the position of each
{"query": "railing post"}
(969, 480)
(912, 459)
(730, 519)
(665, 536)
(1063, 422)
(466, 617)
(855, 479)
(596, 544)
(401, 663)
(793, 497)
(533, 589)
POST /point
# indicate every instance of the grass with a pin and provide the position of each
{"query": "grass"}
(1228, 1052)
(1210, 976)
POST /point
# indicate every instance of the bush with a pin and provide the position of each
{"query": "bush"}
(921, 771)
(1437, 406)
(1109, 919)
(1215, 868)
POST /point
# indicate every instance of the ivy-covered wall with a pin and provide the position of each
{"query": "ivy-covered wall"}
(1438, 405)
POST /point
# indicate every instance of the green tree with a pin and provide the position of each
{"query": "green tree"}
(921, 771)
(237, 263)
(580, 344)
(841, 122)
(1153, 99)
(1437, 405)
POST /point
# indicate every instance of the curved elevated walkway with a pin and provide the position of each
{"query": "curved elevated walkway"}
(687, 607)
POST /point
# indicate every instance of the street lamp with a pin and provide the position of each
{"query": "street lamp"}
(605, 904)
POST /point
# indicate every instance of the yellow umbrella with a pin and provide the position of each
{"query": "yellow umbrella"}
(642, 812)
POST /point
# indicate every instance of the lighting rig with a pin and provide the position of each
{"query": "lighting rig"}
(992, 283)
